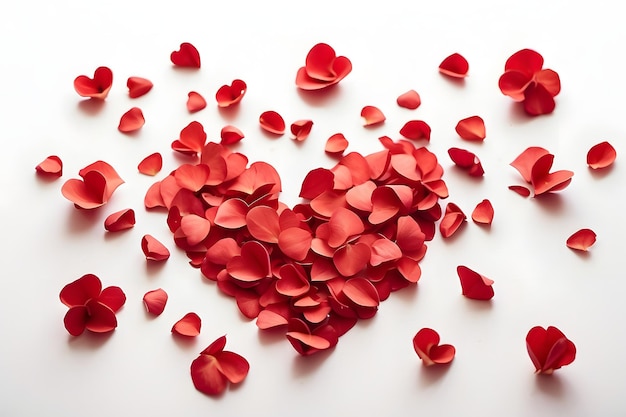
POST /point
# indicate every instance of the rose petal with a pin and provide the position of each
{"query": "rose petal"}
(474, 285)
(186, 56)
(131, 121)
(322, 68)
(192, 139)
(372, 115)
(195, 228)
(362, 292)
(188, 326)
(206, 375)
(272, 122)
(300, 129)
(252, 265)
(543, 181)
(78, 292)
(525, 161)
(452, 220)
(101, 318)
(316, 182)
(151, 164)
(350, 259)
(409, 100)
(471, 128)
(230, 134)
(513, 84)
(232, 214)
(295, 243)
(153, 249)
(455, 66)
(195, 102)
(336, 144)
(138, 86)
(112, 297)
(120, 220)
(549, 349)
(97, 87)
(155, 301)
(227, 95)
(521, 190)
(483, 213)
(467, 161)
(526, 61)
(415, 129)
(234, 366)
(293, 281)
(426, 345)
(581, 240)
(601, 155)
(538, 100)
(52, 166)
(192, 177)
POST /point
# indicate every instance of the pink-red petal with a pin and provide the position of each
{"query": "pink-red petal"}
(300, 129)
(155, 301)
(97, 87)
(120, 220)
(151, 164)
(483, 212)
(601, 155)
(230, 134)
(416, 129)
(372, 116)
(336, 144)
(138, 86)
(52, 166)
(581, 240)
(471, 128)
(131, 121)
(227, 95)
(409, 100)
(195, 102)
(188, 326)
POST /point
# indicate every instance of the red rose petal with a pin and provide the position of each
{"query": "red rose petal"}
(272, 122)
(78, 292)
(186, 56)
(467, 160)
(538, 100)
(252, 265)
(120, 220)
(155, 301)
(75, 320)
(474, 285)
(471, 128)
(581, 240)
(231, 214)
(52, 166)
(227, 95)
(427, 347)
(416, 129)
(483, 213)
(322, 68)
(525, 162)
(131, 121)
(451, 221)
(151, 164)
(601, 155)
(521, 190)
(206, 376)
(549, 349)
(195, 228)
(97, 87)
(153, 249)
(262, 222)
(100, 180)
(372, 115)
(350, 259)
(550, 80)
(112, 297)
(384, 250)
(336, 144)
(543, 181)
(234, 366)
(342, 225)
(526, 61)
(513, 84)
(409, 100)
(293, 281)
(138, 86)
(188, 326)
(192, 139)
(101, 318)
(230, 134)
(195, 102)
(295, 243)
(362, 292)
(300, 129)
(455, 66)
(192, 177)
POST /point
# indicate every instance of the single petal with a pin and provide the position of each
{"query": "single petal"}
(451, 221)
(151, 164)
(52, 166)
(416, 129)
(234, 366)
(192, 139)
(192, 177)
(538, 100)
(138, 86)
(153, 249)
(455, 66)
(513, 84)
(195, 228)
(316, 182)
(384, 250)
(206, 376)
(97, 87)
(336, 144)
(131, 121)
(342, 225)
(230, 134)
(188, 326)
(362, 292)
(300, 129)
(187, 56)
(526, 61)
(471, 128)
(372, 115)
(268, 319)
(409, 100)
(262, 222)
(75, 320)
(549, 349)
(483, 213)
(87, 194)
(467, 160)
(112, 297)
(231, 214)
(101, 318)
(474, 285)
(350, 259)
(120, 220)
(601, 155)
(78, 292)
(272, 122)
(195, 102)
(424, 341)
(525, 161)
(581, 240)
(295, 243)
(155, 301)
(227, 95)
(550, 80)
(252, 265)
(543, 181)
(521, 190)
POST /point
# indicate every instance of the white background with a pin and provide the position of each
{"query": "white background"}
(140, 369)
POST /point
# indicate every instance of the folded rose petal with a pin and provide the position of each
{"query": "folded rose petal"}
(272, 122)
(195, 102)
(227, 95)
(455, 66)
(474, 285)
(151, 164)
(538, 100)
(99, 182)
(416, 129)
(186, 56)
(120, 220)
(192, 139)
(351, 259)
(131, 121)
(521, 190)
(138, 86)
(372, 115)
(471, 128)
(230, 134)
(427, 347)
(155, 301)
(153, 249)
(78, 292)
(252, 265)
(51, 166)
(549, 349)
(215, 367)
(300, 129)
(467, 160)
(409, 100)
(188, 326)
(544, 181)
(192, 177)
(581, 240)
(336, 144)
(322, 68)
(97, 87)
(483, 213)
(293, 281)
(601, 155)
(526, 160)
(452, 220)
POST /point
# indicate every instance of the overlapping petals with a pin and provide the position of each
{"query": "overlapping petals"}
(534, 165)
(228, 95)
(549, 349)
(322, 69)
(215, 368)
(99, 181)
(427, 347)
(97, 87)
(475, 285)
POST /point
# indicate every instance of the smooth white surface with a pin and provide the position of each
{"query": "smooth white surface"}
(140, 369)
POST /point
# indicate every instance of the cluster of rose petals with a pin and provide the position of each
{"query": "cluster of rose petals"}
(322, 68)
(97, 87)
(549, 349)
(90, 306)
(534, 165)
(95, 189)
(525, 80)
(215, 368)
(314, 269)
(427, 347)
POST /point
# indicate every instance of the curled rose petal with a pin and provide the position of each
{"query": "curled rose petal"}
(131, 121)
(483, 213)
(322, 68)
(520, 189)
(155, 301)
(601, 155)
(272, 122)
(372, 115)
(195, 102)
(138, 86)
(97, 87)
(415, 129)
(215, 367)
(549, 349)
(455, 66)
(78, 292)
(99, 182)
(452, 220)
(230, 134)
(252, 265)
(51, 166)
(336, 144)
(581, 240)
(427, 347)
(120, 220)
(467, 160)
(471, 128)
(188, 326)
(409, 100)
(151, 164)
(538, 100)
(186, 56)
(474, 285)
(153, 249)
(300, 129)
(227, 95)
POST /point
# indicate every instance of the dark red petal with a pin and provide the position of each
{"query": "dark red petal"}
(195, 102)
(151, 164)
(300, 129)
(538, 100)
(230, 134)
(97, 87)
(101, 318)
(78, 292)
(52, 166)
(186, 56)
(471, 128)
(272, 122)
(372, 115)
(409, 100)
(581, 240)
(75, 320)
(474, 285)
(336, 144)
(455, 66)
(206, 375)
(138, 86)
(153, 249)
(549, 349)
(188, 326)
(514, 83)
(415, 129)
(526, 61)
(112, 297)
(483, 213)
(543, 181)
(227, 95)
(120, 220)
(155, 301)
(131, 121)
(426, 345)
(601, 155)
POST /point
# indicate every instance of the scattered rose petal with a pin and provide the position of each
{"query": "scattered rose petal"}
(138, 86)
(549, 349)
(192, 139)
(230, 134)
(601, 155)
(427, 347)
(120, 220)
(322, 68)
(227, 95)
(151, 164)
(99, 182)
(520, 189)
(474, 285)
(300, 129)
(131, 121)
(372, 115)
(272, 122)
(155, 301)
(455, 66)
(534, 165)
(188, 326)
(409, 100)
(471, 128)
(186, 56)
(581, 240)
(415, 129)
(97, 87)
(483, 213)
(467, 160)
(51, 166)
(153, 249)
(336, 144)
(451, 221)
(195, 102)
(215, 367)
